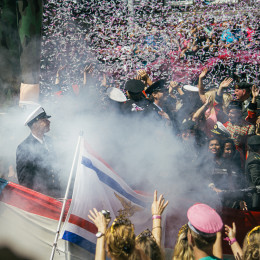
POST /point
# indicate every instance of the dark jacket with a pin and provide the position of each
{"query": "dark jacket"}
(135, 107)
(153, 111)
(35, 165)
(253, 175)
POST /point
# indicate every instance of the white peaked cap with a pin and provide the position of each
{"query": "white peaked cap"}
(37, 114)
(191, 88)
(116, 94)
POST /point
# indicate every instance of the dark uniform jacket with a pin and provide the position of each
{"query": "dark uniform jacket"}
(131, 106)
(253, 174)
(153, 110)
(35, 165)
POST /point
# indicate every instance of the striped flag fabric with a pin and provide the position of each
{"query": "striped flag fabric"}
(29, 220)
(98, 186)
(28, 223)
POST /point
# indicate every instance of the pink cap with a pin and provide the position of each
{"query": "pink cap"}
(204, 219)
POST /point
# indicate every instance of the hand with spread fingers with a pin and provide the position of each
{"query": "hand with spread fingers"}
(230, 231)
(138, 77)
(101, 223)
(143, 74)
(225, 83)
(157, 209)
(89, 68)
(173, 84)
(98, 219)
(255, 91)
(231, 237)
(158, 205)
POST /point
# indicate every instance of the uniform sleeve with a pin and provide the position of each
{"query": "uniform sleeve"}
(23, 167)
(254, 172)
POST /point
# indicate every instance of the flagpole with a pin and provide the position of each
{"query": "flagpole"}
(65, 197)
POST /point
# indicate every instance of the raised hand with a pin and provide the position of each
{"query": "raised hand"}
(138, 77)
(225, 83)
(203, 73)
(174, 84)
(98, 219)
(143, 74)
(158, 206)
(230, 231)
(255, 91)
(89, 68)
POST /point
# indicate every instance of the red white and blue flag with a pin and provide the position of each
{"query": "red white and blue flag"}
(29, 219)
(98, 186)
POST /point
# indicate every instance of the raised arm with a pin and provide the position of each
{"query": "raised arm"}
(235, 247)
(145, 77)
(202, 109)
(224, 84)
(174, 84)
(157, 209)
(217, 247)
(87, 70)
(57, 80)
(255, 94)
(252, 107)
(200, 85)
(101, 223)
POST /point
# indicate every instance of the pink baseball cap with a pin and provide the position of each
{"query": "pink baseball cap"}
(204, 220)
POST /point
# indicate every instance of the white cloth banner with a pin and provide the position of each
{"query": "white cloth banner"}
(98, 186)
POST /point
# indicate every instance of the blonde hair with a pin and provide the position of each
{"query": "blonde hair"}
(120, 238)
(211, 93)
(251, 246)
(147, 243)
(138, 254)
(227, 97)
(182, 249)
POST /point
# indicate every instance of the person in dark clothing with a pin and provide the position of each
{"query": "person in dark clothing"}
(252, 169)
(230, 157)
(137, 101)
(35, 158)
(243, 94)
(157, 93)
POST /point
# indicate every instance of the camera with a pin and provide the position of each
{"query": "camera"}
(106, 213)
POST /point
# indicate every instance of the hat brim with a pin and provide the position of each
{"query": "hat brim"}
(191, 88)
(38, 118)
(116, 94)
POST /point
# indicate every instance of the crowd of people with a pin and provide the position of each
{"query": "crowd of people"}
(196, 74)
(168, 43)
(226, 126)
(196, 77)
(200, 238)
